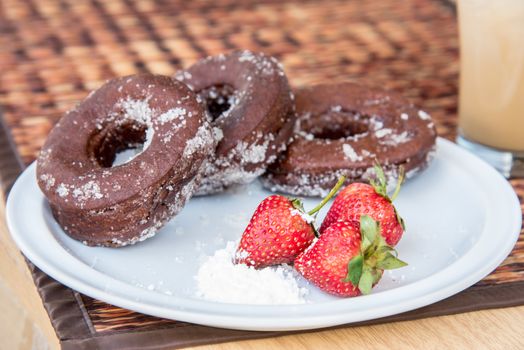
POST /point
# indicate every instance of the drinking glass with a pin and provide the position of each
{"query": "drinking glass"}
(491, 97)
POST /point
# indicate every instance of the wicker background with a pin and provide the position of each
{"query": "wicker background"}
(53, 52)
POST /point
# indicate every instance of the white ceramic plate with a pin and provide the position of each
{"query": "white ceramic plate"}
(463, 218)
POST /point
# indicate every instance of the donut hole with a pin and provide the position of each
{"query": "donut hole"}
(113, 146)
(336, 125)
(219, 100)
(335, 132)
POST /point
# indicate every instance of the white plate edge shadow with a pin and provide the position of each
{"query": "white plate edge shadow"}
(456, 277)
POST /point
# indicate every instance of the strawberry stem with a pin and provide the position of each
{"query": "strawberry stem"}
(399, 183)
(331, 193)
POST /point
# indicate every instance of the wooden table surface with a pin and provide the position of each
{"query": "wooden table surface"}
(24, 323)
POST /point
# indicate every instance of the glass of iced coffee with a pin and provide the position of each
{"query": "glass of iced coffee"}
(491, 104)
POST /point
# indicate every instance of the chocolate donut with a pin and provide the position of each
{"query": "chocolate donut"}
(105, 205)
(250, 106)
(341, 130)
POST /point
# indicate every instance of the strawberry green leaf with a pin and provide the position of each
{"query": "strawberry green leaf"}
(400, 220)
(297, 204)
(390, 262)
(366, 282)
(382, 251)
(366, 243)
(380, 173)
(369, 230)
(381, 186)
(355, 266)
(400, 180)
(377, 275)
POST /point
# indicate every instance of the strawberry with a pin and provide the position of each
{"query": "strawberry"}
(348, 259)
(362, 199)
(278, 231)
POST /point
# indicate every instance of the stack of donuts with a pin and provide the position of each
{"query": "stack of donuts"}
(226, 120)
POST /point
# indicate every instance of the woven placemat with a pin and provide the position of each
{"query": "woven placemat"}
(53, 52)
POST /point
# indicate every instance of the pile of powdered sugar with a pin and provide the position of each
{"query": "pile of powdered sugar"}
(219, 279)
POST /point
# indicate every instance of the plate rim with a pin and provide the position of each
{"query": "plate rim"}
(170, 306)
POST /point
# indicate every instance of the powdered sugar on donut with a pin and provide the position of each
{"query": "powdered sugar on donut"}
(145, 234)
(350, 153)
(424, 115)
(62, 190)
(90, 190)
(137, 110)
(263, 64)
(383, 132)
(224, 171)
(319, 185)
(202, 139)
(173, 114)
(44, 156)
(246, 56)
(396, 139)
(49, 180)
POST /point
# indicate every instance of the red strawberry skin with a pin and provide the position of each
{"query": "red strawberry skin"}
(276, 234)
(325, 264)
(360, 199)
